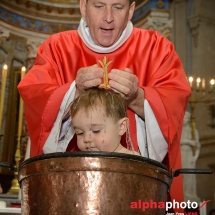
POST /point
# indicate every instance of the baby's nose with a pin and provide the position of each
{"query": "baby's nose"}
(87, 137)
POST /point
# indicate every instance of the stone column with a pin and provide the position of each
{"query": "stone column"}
(194, 23)
(4, 34)
(181, 32)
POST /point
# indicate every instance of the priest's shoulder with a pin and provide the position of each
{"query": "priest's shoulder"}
(150, 34)
(63, 36)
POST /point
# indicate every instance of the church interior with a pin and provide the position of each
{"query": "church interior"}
(189, 24)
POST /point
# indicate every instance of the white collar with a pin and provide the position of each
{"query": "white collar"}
(84, 33)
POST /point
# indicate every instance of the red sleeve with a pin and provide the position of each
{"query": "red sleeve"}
(42, 90)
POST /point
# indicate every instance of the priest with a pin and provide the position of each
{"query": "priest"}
(142, 66)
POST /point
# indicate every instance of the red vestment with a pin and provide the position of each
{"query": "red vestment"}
(149, 55)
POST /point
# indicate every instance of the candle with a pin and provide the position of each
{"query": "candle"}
(203, 84)
(212, 82)
(3, 84)
(191, 81)
(21, 106)
(198, 80)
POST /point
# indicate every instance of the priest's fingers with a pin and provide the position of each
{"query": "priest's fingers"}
(125, 82)
(88, 77)
(89, 73)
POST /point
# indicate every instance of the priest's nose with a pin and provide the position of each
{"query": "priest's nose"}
(108, 15)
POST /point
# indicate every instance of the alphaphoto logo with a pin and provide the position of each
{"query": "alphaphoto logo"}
(141, 205)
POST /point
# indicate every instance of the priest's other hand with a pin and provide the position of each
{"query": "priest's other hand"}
(126, 83)
(88, 77)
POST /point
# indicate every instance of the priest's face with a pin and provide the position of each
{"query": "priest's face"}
(96, 131)
(106, 19)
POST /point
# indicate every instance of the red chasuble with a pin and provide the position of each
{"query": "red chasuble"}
(149, 55)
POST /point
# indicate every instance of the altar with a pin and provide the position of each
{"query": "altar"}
(10, 211)
(10, 204)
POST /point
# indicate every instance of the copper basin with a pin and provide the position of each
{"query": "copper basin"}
(92, 183)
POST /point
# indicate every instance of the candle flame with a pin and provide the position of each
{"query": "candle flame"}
(198, 80)
(212, 81)
(5, 66)
(190, 79)
(23, 68)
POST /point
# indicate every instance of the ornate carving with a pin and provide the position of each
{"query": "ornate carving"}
(44, 7)
(160, 4)
(32, 47)
(162, 25)
(4, 34)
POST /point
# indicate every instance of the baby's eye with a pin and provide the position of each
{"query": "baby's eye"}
(79, 133)
(96, 131)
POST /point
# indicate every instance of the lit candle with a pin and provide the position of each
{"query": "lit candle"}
(3, 84)
(198, 80)
(212, 82)
(21, 106)
(203, 84)
(190, 81)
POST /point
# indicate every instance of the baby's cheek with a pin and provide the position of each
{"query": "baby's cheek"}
(100, 143)
(80, 144)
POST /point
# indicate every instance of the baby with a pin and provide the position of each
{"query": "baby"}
(99, 120)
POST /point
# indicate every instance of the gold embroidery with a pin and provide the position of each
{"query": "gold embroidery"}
(105, 65)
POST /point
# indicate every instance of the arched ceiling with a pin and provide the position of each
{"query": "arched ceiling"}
(51, 16)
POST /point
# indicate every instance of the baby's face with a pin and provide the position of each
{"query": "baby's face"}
(95, 131)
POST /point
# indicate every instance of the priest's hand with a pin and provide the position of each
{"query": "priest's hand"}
(126, 83)
(88, 77)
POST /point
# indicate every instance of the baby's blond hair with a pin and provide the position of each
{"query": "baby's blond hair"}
(113, 103)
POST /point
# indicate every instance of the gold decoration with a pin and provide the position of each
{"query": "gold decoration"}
(201, 93)
(105, 65)
(160, 4)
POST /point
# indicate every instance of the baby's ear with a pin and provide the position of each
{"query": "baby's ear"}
(123, 125)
